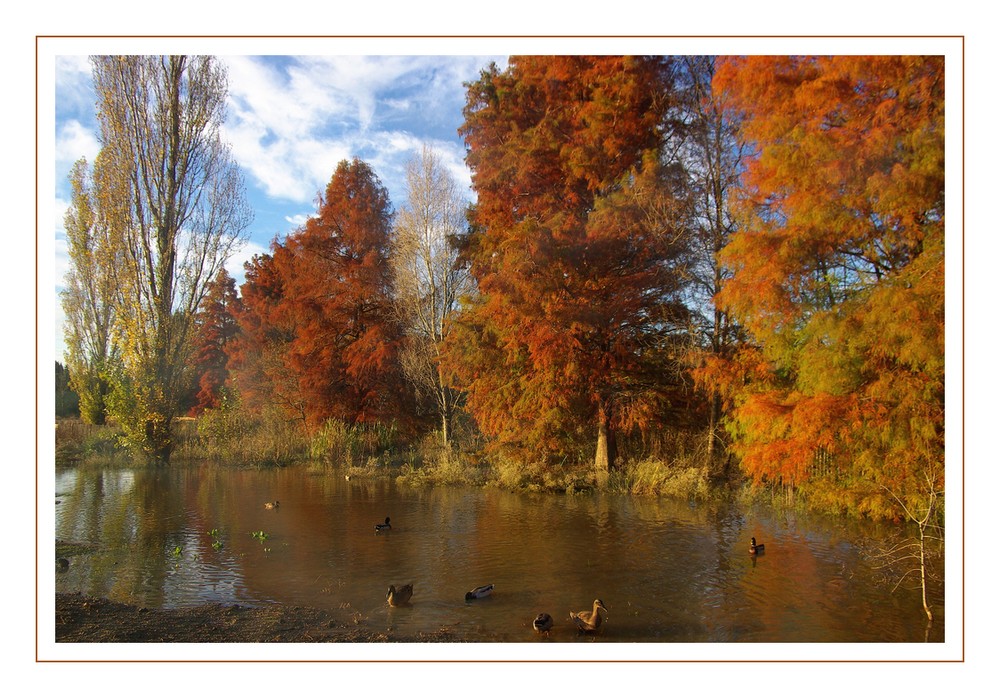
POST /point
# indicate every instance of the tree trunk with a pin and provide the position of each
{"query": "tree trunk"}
(923, 575)
(445, 428)
(604, 458)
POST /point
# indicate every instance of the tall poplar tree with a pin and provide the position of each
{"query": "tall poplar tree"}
(88, 297)
(173, 199)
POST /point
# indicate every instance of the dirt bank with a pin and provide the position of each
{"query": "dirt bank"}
(86, 619)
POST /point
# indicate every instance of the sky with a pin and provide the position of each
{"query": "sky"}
(290, 120)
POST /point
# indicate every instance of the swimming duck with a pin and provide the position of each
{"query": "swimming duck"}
(398, 597)
(383, 526)
(589, 621)
(479, 592)
(754, 548)
(542, 623)
(271, 505)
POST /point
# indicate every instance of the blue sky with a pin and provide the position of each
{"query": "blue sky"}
(290, 120)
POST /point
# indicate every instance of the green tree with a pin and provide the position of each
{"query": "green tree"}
(88, 297)
(67, 401)
(173, 200)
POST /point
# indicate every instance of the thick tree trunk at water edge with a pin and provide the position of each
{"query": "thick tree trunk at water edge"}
(604, 458)
(158, 443)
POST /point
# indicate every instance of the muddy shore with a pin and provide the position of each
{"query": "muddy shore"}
(82, 618)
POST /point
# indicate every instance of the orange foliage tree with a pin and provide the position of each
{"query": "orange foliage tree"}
(215, 329)
(571, 335)
(320, 335)
(838, 273)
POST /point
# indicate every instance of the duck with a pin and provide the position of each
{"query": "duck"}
(754, 547)
(542, 623)
(589, 621)
(397, 597)
(383, 526)
(271, 505)
(479, 592)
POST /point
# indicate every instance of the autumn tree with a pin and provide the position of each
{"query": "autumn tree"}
(428, 280)
(173, 200)
(257, 357)
(89, 295)
(324, 298)
(707, 142)
(838, 273)
(571, 336)
(215, 329)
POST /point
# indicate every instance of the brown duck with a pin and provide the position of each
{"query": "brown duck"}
(589, 621)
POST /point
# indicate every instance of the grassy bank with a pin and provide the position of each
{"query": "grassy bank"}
(378, 451)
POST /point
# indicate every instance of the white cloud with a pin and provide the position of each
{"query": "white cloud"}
(234, 265)
(74, 141)
(291, 120)
(62, 254)
(73, 84)
(299, 219)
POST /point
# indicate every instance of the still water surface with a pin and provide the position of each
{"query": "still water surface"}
(668, 571)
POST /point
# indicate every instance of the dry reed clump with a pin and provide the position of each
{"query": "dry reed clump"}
(79, 442)
(682, 479)
(511, 473)
(433, 463)
(356, 446)
(231, 436)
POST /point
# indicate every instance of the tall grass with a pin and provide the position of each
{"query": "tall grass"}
(430, 462)
(79, 442)
(354, 445)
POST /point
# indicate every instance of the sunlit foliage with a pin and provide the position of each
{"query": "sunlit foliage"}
(838, 271)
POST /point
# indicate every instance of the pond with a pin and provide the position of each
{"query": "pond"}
(667, 570)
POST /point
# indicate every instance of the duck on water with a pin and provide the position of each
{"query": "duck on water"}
(479, 592)
(589, 621)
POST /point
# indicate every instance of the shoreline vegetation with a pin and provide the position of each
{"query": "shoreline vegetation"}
(379, 452)
(678, 467)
